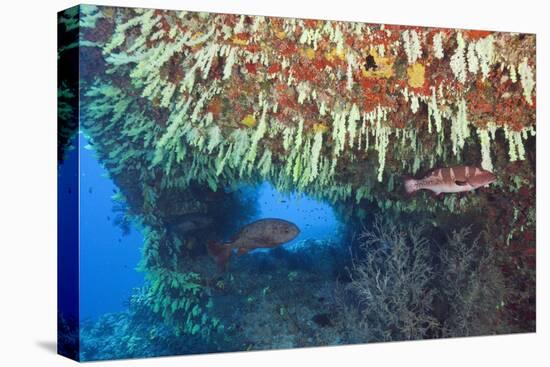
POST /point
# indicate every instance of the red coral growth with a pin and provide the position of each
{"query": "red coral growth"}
(287, 101)
(324, 65)
(310, 23)
(252, 68)
(508, 112)
(375, 93)
(303, 71)
(320, 63)
(475, 34)
(253, 47)
(243, 36)
(215, 106)
(274, 68)
(287, 48)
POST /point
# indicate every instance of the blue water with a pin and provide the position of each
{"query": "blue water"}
(67, 230)
(108, 258)
(315, 219)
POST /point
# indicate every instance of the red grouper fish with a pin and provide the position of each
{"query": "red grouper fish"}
(263, 233)
(451, 179)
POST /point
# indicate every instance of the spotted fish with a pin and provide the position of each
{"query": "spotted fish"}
(451, 180)
(263, 233)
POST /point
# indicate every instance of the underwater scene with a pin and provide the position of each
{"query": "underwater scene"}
(233, 183)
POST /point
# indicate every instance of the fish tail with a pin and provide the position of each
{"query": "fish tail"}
(410, 185)
(220, 252)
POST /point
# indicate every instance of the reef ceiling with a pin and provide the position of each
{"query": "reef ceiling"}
(337, 109)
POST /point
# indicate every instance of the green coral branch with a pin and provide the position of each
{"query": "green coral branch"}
(179, 298)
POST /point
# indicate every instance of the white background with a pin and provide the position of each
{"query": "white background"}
(28, 183)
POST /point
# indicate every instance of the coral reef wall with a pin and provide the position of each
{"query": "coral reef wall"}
(178, 103)
(338, 109)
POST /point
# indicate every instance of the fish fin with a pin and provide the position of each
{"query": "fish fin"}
(410, 185)
(220, 252)
(242, 251)
(461, 183)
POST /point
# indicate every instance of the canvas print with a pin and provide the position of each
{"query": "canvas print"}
(233, 182)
